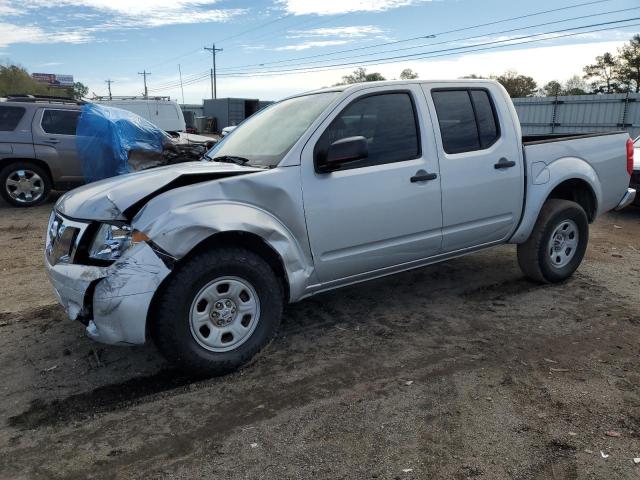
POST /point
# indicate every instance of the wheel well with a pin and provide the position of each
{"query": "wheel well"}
(8, 161)
(577, 191)
(247, 240)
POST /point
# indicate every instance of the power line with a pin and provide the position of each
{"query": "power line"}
(191, 52)
(469, 49)
(422, 37)
(409, 56)
(454, 40)
(297, 59)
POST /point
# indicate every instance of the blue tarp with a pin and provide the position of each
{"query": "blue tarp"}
(106, 135)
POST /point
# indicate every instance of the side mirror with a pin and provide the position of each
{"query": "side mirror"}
(344, 151)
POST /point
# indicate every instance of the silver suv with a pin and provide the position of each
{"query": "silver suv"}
(38, 148)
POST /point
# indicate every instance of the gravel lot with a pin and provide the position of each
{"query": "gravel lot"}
(461, 370)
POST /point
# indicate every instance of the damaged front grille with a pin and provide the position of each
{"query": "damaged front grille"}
(63, 236)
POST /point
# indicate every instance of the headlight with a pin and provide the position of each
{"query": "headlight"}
(110, 242)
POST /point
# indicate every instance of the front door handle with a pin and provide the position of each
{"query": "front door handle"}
(504, 163)
(52, 140)
(423, 176)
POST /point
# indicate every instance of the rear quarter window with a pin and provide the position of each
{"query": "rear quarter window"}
(60, 122)
(10, 117)
(467, 119)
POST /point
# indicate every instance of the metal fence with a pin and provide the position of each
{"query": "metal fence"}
(580, 114)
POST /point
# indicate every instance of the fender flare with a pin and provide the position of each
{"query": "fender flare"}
(561, 170)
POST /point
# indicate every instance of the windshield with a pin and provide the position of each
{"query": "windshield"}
(266, 137)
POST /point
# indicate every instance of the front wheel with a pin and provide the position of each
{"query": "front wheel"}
(217, 310)
(557, 243)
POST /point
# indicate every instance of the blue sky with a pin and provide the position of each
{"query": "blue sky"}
(267, 44)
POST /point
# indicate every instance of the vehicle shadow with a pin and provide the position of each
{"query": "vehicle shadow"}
(117, 377)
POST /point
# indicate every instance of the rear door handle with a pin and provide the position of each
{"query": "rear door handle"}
(504, 163)
(422, 176)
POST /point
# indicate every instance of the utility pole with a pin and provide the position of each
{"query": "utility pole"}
(181, 87)
(144, 74)
(109, 82)
(213, 50)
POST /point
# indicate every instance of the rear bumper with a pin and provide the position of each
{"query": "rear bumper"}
(627, 199)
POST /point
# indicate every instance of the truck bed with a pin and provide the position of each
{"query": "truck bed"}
(603, 154)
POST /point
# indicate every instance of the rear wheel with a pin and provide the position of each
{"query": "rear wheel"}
(557, 243)
(217, 311)
(24, 184)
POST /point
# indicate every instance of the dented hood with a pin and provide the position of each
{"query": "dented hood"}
(119, 198)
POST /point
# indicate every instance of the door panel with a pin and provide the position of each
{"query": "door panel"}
(481, 200)
(371, 215)
(55, 143)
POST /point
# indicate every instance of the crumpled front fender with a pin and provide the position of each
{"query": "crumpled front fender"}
(179, 230)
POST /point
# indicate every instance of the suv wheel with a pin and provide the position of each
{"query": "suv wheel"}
(557, 243)
(24, 184)
(217, 310)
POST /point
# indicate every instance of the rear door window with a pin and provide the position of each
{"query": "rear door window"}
(10, 117)
(467, 119)
(60, 122)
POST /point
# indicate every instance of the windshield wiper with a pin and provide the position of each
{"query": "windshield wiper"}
(231, 159)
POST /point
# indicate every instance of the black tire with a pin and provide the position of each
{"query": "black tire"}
(11, 170)
(171, 329)
(534, 256)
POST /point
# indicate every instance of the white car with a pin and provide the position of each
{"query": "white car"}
(227, 130)
(163, 112)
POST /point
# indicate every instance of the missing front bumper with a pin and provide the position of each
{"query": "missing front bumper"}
(113, 301)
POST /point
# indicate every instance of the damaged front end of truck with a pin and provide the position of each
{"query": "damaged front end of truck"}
(112, 243)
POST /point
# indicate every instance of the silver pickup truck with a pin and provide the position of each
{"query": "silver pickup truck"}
(316, 192)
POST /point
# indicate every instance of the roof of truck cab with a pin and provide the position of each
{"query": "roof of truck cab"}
(363, 85)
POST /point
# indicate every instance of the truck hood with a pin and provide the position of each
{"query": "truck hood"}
(120, 198)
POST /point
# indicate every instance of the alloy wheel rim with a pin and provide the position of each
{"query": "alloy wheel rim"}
(24, 186)
(563, 243)
(224, 314)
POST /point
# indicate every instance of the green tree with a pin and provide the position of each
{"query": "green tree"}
(518, 85)
(603, 74)
(360, 75)
(552, 89)
(473, 76)
(629, 64)
(408, 74)
(16, 80)
(78, 92)
(575, 86)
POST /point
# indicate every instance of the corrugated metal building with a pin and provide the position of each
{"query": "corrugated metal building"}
(579, 114)
(191, 111)
(231, 111)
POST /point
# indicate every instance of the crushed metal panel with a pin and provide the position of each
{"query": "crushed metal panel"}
(263, 204)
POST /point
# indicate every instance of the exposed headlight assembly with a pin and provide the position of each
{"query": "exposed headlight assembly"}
(111, 241)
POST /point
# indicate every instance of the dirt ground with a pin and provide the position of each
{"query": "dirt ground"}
(460, 370)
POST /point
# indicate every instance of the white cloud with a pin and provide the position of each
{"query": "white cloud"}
(332, 7)
(354, 31)
(10, 33)
(312, 44)
(118, 14)
(542, 63)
